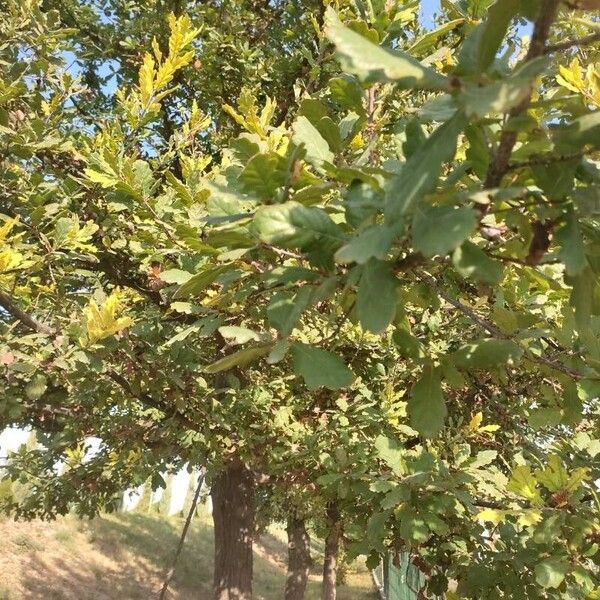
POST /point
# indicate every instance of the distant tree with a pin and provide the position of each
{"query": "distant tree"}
(143, 506)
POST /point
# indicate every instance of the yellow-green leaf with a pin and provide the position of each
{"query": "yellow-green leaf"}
(523, 483)
(102, 321)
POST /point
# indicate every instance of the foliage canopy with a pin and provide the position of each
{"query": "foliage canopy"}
(355, 250)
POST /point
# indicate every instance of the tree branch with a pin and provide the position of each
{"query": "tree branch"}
(8, 304)
(492, 329)
(149, 401)
(576, 42)
(499, 165)
(466, 310)
(545, 160)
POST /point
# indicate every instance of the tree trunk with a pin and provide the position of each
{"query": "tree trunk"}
(298, 559)
(233, 517)
(332, 547)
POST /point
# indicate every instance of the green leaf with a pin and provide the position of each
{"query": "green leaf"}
(582, 298)
(426, 407)
(408, 345)
(523, 483)
(472, 262)
(487, 354)
(371, 62)
(501, 96)
(347, 92)
(556, 180)
(572, 251)
(373, 242)
(241, 358)
(36, 387)
(377, 528)
(200, 281)
(555, 476)
(362, 203)
(350, 175)
(238, 335)
(413, 528)
(284, 310)
(440, 229)
(478, 153)
(317, 148)
(480, 48)
(263, 175)
(391, 452)
(583, 130)
(320, 368)
(550, 529)
(313, 109)
(551, 572)
(330, 133)
(420, 174)
(202, 328)
(175, 276)
(292, 225)
(282, 275)
(106, 180)
(277, 354)
(483, 458)
(395, 497)
(415, 137)
(544, 417)
(377, 296)
(426, 41)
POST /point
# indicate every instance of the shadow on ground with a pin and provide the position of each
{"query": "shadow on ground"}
(124, 556)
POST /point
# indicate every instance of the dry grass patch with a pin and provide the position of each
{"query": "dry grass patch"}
(124, 557)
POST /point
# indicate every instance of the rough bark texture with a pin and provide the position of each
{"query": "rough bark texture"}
(234, 521)
(298, 559)
(332, 547)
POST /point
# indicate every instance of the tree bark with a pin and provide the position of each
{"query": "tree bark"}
(234, 521)
(332, 547)
(298, 559)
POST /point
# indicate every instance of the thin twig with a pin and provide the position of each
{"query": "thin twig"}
(283, 253)
(519, 261)
(186, 526)
(467, 310)
(493, 330)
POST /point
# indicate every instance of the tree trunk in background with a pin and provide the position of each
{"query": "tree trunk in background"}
(332, 547)
(298, 559)
(143, 506)
(233, 517)
(191, 491)
(164, 504)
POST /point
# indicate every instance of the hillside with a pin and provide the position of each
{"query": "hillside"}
(124, 556)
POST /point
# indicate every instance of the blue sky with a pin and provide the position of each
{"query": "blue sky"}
(428, 9)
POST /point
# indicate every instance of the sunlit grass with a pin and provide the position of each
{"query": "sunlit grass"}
(125, 556)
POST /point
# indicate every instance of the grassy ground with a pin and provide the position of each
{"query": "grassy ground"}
(124, 557)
